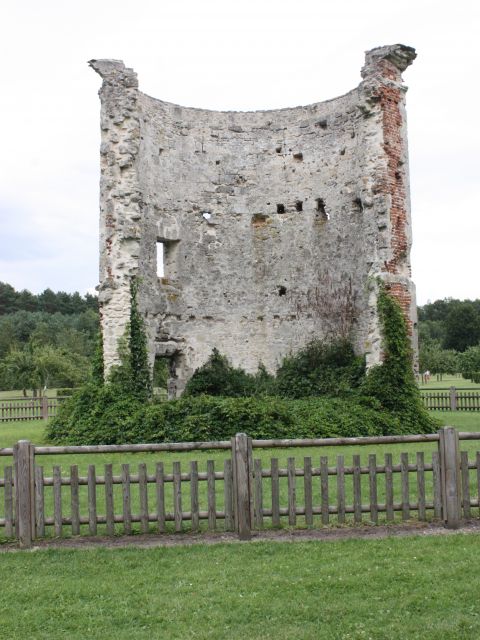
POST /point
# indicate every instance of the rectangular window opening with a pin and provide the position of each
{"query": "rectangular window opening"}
(167, 259)
(160, 264)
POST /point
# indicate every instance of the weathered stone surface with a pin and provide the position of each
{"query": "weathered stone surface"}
(274, 224)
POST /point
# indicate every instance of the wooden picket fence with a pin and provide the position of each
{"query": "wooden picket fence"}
(20, 408)
(243, 494)
(452, 399)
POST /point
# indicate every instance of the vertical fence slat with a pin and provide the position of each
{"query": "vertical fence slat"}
(8, 501)
(212, 518)
(275, 492)
(250, 481)
(92, 500)
(372, 476)
(177, 496)
(465, 484)
(324, 488)
(242, 484)
(258, 494)
(341, 489)
(57, 500)
(160, 494)
(24, 483)
(357, 489)
(307, 487)
(126, 501)
(228, 494)
(389, 487)
(422, 513)
(194, 495)
(437, 485)
(39, 501)
(292, 501)
(74, 500)
(405, 486)
(143, 496)
(451, 476)
(109, 507)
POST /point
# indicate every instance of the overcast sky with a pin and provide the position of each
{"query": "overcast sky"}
(221, 54)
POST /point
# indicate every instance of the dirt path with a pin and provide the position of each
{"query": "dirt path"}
(147, 541)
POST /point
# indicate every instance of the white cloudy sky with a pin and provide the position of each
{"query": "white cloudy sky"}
(221, 54)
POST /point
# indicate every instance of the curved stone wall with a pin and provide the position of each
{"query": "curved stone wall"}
(274, 224)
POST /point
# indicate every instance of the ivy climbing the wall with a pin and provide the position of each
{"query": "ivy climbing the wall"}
(392, 383)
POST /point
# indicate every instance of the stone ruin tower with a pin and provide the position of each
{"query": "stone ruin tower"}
(271, 227)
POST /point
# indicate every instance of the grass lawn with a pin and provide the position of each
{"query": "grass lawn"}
(448, 381)
(415, 587)
(18, 393)
(411, 587)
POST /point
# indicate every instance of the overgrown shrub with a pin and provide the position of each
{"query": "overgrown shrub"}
(321, 369)
(217, 377)
(95, 415)
(119, 420)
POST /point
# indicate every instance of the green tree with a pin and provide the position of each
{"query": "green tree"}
(37, 367)
(18, 370)
(470, 362)
(462, 326)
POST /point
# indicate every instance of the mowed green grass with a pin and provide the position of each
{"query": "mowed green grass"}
(33, 431)
(18, 393)
(413, 587)
(448, 381)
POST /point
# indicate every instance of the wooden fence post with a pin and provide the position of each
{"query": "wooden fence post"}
(450, 476)
(242, 486)
(44, 408)
(23, 453)
(453, 399)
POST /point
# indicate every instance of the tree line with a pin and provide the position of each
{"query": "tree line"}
(48, 301)
(449, 337)
(46, 340)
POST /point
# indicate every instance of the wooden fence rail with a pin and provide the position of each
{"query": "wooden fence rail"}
(452, 399)
(241, 493)
(16, 409)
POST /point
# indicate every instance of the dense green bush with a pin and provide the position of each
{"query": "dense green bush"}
(321, 369)
(101, 416)
(95, 415)
(217, 377)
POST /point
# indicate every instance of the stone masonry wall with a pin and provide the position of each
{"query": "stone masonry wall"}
(274, 224)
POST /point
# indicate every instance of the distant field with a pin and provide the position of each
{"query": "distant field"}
(449, 381)
(18, 393)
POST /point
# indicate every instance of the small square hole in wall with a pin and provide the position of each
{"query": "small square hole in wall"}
(278, 149)
(321, 208)
(282, 291)
(280, 208)
(299, 205)
(298, 157)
